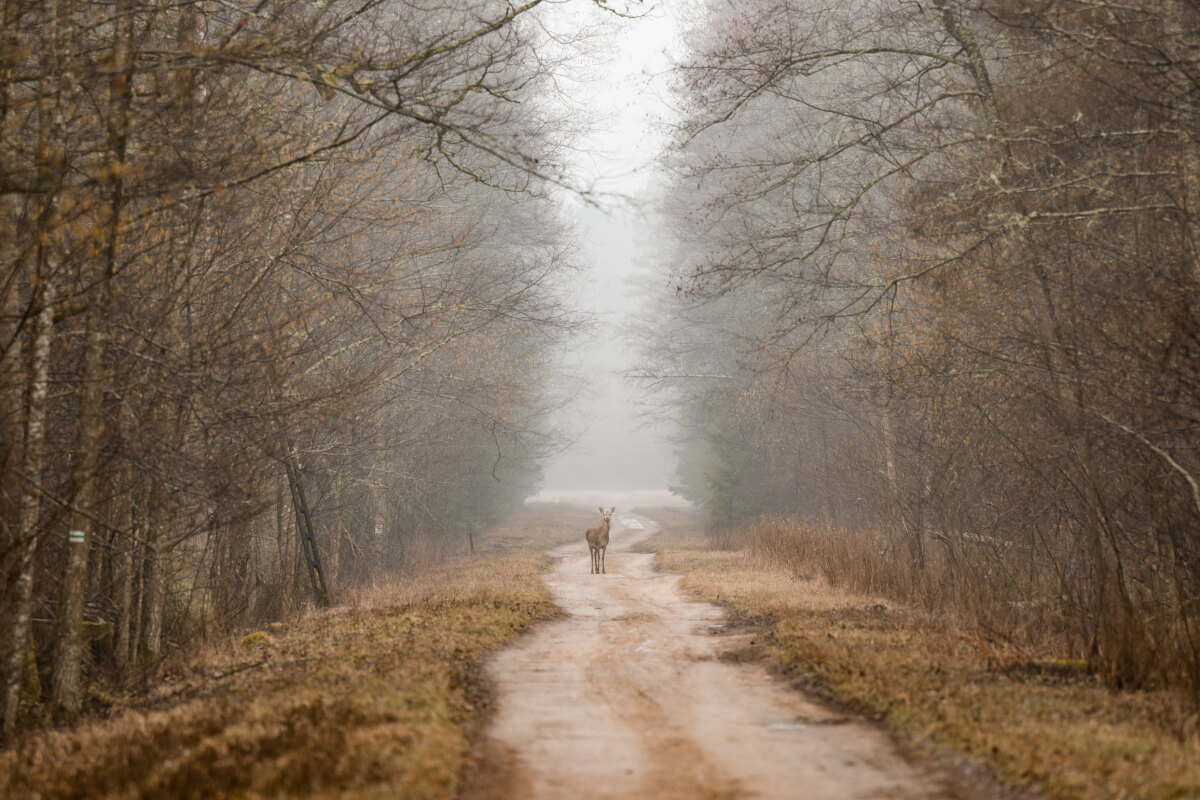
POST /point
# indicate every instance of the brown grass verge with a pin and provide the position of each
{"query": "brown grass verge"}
(539, 526)
(945, 689)
(377, 698)
(679, 529)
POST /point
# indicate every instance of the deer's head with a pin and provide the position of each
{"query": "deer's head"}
(607, 514)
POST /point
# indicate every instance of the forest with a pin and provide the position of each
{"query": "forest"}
(938, 305)
(279, 288)
(283, 290)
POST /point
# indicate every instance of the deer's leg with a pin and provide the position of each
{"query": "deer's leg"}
(603, 550)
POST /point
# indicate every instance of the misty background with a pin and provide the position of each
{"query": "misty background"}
(620, 87)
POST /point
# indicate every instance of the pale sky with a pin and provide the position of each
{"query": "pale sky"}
(621, 88)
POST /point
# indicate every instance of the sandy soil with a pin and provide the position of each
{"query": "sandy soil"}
(641, 693)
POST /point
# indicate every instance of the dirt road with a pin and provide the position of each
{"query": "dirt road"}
(636, 695)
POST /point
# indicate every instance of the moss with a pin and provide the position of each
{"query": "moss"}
(97, 630)
(253, 640)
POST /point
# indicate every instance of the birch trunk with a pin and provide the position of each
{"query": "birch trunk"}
(19, 613)
(15, 614)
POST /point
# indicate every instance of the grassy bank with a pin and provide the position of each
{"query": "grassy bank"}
(379, 697)
(1034, 718)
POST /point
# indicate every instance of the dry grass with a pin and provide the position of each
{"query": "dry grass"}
(1038, 721)
(377, 698)
(681, 529)
(539, 526)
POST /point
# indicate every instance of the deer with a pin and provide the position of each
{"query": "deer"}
(597, 539)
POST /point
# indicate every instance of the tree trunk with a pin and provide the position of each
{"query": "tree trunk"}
(123, 568)
(337, 530)
(1183, 111)
(18, 614)
(65, 684)
(253, 578)
(827, 510)
(282, 548)
(152, 579)
(17, 611)
(66, 695)
(122, 558)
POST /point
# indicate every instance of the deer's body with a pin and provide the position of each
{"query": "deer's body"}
(597, 539)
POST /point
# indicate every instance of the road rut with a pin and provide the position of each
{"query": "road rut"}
(639, 693)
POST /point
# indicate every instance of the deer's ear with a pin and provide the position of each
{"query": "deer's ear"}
(611, 510)
(601, 509)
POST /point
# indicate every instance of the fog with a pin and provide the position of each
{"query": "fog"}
(619, 87)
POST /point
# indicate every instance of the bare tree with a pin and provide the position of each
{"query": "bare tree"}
(287, 262)
(989, 208)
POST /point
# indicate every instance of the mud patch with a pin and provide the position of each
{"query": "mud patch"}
(749, 653)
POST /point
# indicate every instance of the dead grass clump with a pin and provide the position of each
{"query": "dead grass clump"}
(992, 594)
(375, 697)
